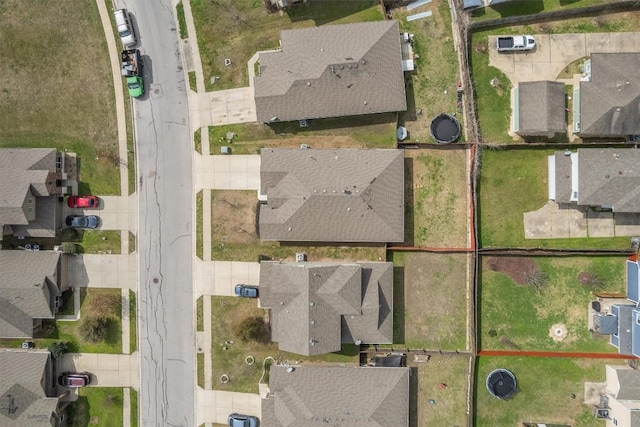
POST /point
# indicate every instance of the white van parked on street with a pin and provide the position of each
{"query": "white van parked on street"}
(125, 29)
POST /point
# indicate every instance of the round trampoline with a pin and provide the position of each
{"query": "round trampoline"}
(501, 384)
(445, 128)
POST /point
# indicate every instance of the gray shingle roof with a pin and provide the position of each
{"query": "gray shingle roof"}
(629, 381)
(24, 172)
(541, 108)
(337, 396)
(317, 306)
(332, 71)
(22, 387)
(610, 102)
(332, 195)
(609, 177)
(27, 284)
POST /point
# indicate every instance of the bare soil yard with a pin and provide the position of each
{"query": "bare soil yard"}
(436, 192)
(430, 300)
(234, 238)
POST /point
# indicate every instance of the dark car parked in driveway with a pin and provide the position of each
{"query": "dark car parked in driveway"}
(246, 291)
(239, 420)
(82, 221)
(74, 379)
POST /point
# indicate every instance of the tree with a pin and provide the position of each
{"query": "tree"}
(58, 349)
(251, 328)
(93, 328)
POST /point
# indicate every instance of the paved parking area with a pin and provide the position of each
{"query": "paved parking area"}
(220, 277)
(103, 271)
(554, 221)
(215, 405)
(555, 51)
(227, 172)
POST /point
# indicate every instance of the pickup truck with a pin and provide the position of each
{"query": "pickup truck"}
(514, 43)
(131, 69)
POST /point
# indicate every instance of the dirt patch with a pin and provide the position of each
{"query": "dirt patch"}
(234, 214)
(558, 332)
(517, 268)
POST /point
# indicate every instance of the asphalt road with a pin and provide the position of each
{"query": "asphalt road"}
(164, 244)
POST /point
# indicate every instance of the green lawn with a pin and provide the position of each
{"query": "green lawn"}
(199, 314)
(199, 223)
(528, 8)
(237, 29)
(134, 407)
(545, 389)
(225, 312)
(100, 406)
(56, 94)
(182, 22)
(523, 316)
(514, 182)
(133, 315)
(101, 242)
(200, 367)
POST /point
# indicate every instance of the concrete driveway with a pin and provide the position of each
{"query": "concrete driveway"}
(555, 51)
(222, 107)
(227, 172)
(214, 406)
(107, 370)
(220, 277)
(115, 212)
(103, 271)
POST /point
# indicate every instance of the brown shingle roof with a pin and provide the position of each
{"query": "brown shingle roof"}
(332, 195)
(317, 306)
(337, 396)
(610, 102)
(332, 71)
(23, 380)
(541, 108)
(27, 282)
(609, 177)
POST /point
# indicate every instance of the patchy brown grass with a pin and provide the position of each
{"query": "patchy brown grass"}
(234, 238)
(514, 267)
(430, 304)
(437, 208)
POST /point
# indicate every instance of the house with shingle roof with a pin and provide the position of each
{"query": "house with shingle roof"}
(332, 71)
(608, 103)
(30, 286)
(539, 109)
(310, 396)
(338, 195)
(31, 184)
(315, 307)
(623, 396)
(28, 390)
(601, 177)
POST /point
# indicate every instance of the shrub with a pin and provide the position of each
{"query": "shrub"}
(251, 328)
(93, 328)
(536, 278)
(58, 349)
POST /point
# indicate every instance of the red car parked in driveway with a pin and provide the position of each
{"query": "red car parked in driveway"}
(83, 202)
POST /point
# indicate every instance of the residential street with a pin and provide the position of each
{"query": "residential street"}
(165, 310)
